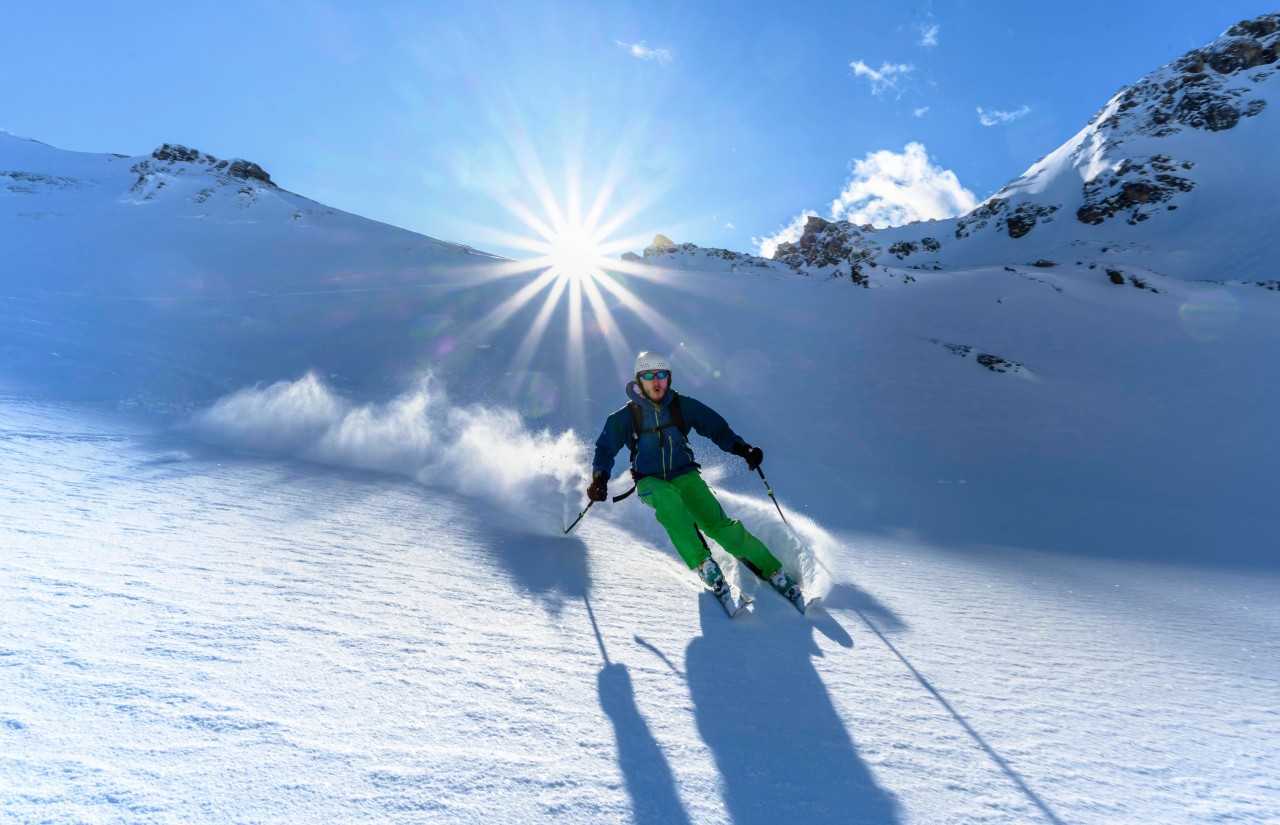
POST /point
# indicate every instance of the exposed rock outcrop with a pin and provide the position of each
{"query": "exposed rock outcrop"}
(665, 252)
(835, 248)
(1210, 88)
(29, 183)
(990, 361)
(171, 153)
(1137, 187)
(1016, 221)
(172, 160)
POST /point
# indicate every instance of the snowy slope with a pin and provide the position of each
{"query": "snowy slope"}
(284, 490)
(1027, 617)
(196, 637)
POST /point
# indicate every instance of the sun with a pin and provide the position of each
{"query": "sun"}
(576, 252)
(577, 275)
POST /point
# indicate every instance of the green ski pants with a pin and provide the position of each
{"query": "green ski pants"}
(684, 504)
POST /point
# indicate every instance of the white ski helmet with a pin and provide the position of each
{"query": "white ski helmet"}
(647, 361)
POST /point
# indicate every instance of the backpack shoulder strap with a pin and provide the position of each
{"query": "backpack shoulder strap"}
(636, 427)
(677, 415)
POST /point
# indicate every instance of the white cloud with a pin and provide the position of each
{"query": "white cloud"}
(920, 112)
(730, 226)
(995, 117)
(788, 234)
(643, 52)
(928, 35)
(891, 189)
(887, 77)
(887, 189)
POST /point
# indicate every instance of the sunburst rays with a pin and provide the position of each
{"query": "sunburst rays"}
(574, 289)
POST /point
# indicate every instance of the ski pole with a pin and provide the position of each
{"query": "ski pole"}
(579, 518)
(769, 490)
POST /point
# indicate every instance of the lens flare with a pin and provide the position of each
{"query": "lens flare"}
(1207, 315)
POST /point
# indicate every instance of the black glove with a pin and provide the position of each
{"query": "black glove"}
(753, 455)
(599, 489)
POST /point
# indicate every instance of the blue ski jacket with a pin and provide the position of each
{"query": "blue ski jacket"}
(661, 450)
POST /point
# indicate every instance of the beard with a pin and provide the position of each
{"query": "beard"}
(652, 396)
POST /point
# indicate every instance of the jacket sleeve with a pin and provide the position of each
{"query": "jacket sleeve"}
(708, 423)
(612, 438)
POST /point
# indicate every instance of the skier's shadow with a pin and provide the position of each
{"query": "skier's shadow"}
(781, 748)
(650, 782)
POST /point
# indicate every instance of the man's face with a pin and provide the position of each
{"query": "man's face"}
(655, 387)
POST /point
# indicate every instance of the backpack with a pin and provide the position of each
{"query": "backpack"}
(638, 429)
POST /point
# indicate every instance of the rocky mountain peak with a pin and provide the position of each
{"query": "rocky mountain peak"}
(1210, 88)
(241, 169)
(174, 163)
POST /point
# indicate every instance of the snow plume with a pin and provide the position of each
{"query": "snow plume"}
(478, 451)
(804, 548)
(892, 189)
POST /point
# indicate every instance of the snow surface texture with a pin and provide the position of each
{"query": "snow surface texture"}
(193, 636)
(284, 491)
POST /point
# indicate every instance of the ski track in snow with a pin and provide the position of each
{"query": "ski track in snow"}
(192, 635)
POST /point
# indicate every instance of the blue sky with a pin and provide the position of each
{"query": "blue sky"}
(714, 123)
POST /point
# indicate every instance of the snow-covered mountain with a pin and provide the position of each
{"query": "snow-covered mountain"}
(1176, 174)
(121, 209)
(158, 255)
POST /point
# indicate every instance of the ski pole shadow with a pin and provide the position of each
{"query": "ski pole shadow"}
(982, 743)
(845, 596)
(648, 776)
(782, 750)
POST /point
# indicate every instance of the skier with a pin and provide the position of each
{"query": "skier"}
(655, 425)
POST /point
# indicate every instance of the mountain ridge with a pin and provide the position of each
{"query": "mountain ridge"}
(1192, 136)
(1173, 174)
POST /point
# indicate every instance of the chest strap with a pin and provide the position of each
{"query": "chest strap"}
(638, 429)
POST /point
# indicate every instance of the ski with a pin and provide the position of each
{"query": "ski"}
(802, 603)
(730, 598)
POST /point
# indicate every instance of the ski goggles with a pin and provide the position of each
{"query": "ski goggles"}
(650, 376)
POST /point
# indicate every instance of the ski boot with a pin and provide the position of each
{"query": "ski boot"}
(713, 577)
(787, 587)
